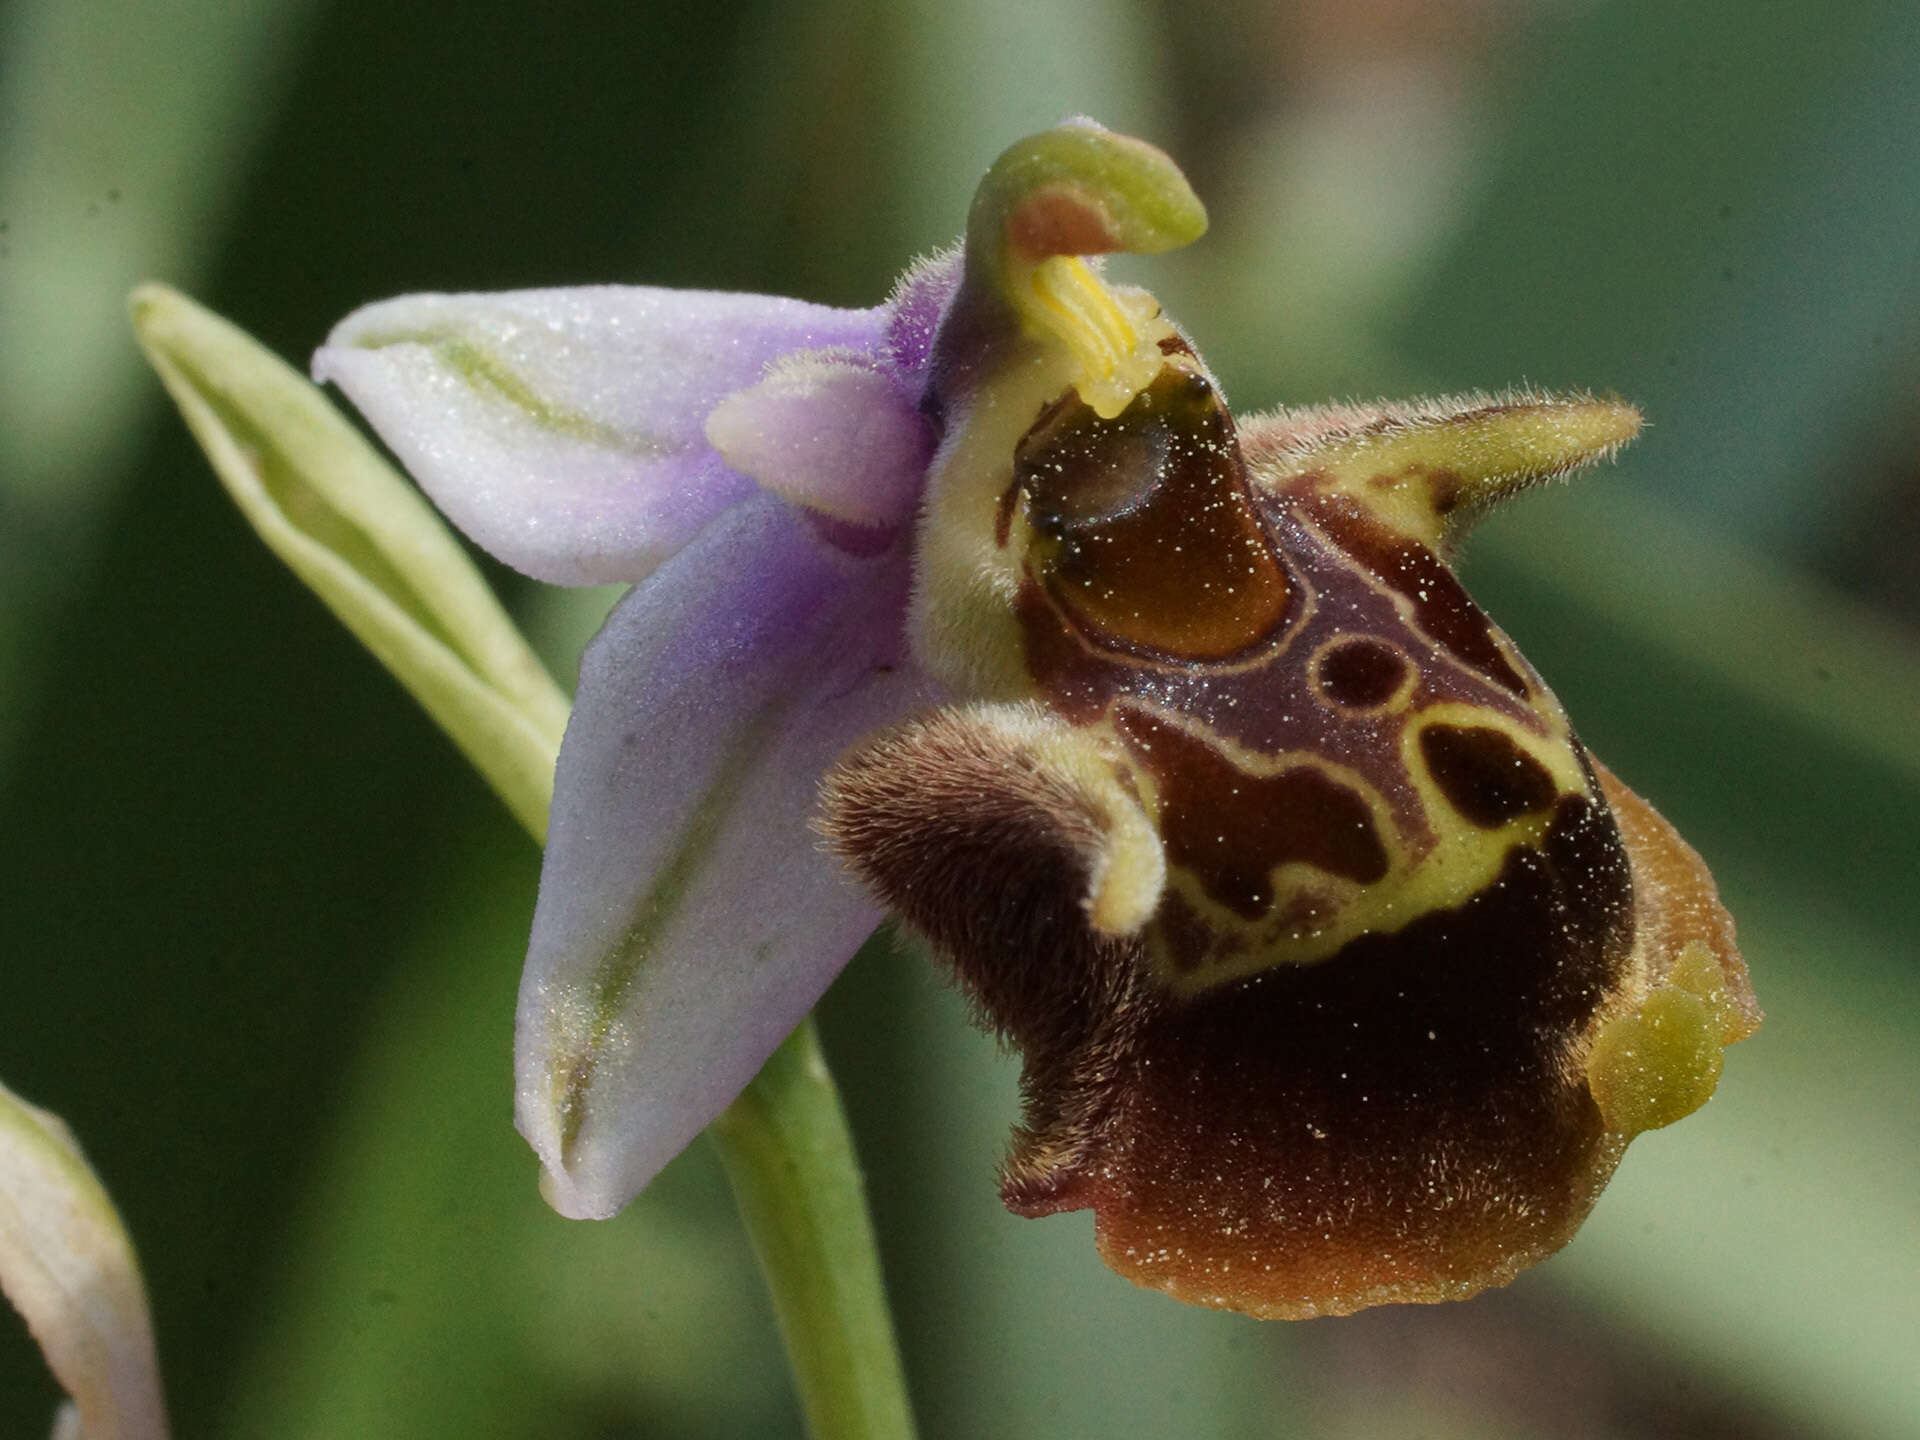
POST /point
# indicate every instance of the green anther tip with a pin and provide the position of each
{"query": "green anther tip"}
(1078, 189)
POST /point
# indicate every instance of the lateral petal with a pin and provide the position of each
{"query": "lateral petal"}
(832, 432)
(688, 916)
(1433, 467)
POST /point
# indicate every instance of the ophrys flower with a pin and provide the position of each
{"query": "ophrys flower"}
(1341, 972)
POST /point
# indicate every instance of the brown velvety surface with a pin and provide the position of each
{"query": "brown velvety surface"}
(1400, 1122)
(1405, 1121)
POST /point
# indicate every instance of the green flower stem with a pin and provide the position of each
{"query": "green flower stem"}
(360, 536)
(789, 1156)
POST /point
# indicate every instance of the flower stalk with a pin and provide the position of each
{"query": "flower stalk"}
(790, 1158)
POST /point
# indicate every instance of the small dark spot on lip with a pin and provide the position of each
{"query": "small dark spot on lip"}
(1441, 606)
(1484, 774)
(1359, 673)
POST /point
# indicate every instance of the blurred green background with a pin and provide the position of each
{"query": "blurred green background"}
(261, 928)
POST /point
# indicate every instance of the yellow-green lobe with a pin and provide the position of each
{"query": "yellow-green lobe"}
(1430, 468)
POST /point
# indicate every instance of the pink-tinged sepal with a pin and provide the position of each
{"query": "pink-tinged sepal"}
(688, 917)
(565, 430)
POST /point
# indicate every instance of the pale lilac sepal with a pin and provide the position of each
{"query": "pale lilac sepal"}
(563, 430)
(688, 917)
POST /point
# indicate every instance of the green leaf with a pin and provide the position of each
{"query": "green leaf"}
(365, 541)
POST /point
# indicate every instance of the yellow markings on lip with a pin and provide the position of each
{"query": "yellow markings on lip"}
(1115, 347)
(1315, 913)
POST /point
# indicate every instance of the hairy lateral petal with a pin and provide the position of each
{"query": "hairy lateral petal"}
(688, 917)
(831, 432)
(563, 429)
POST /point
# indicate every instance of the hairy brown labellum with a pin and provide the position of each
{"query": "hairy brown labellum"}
(1341, 972)
(1409, 971)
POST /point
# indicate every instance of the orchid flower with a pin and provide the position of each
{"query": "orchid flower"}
(1342, 973)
